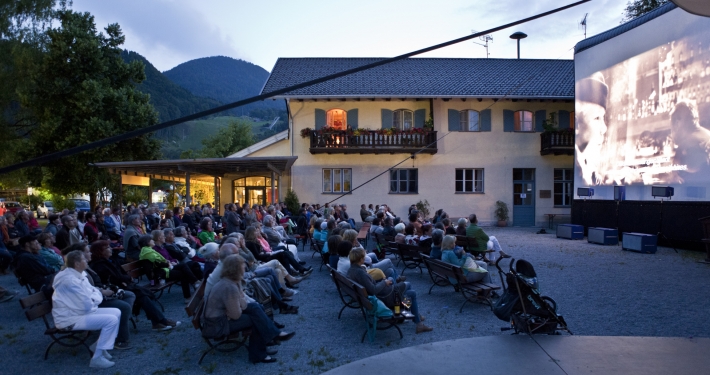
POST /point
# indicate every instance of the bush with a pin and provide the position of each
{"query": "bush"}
(292, 202)
(60, 203)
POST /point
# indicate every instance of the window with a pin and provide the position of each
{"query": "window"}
(469, 180)
(337, 180)
(337, 119)
(469, 121)
(402, 119)
(403, 181)
(563, 187)
(523, 121)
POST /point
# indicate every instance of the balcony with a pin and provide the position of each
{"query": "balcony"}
(559, 142)
(372, 142)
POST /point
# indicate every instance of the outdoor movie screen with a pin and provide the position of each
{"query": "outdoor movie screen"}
(642, 110)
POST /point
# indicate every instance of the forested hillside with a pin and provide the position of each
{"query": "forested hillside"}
(224, 79)
(169, 99)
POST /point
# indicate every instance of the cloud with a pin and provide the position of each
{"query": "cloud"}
(166, 32)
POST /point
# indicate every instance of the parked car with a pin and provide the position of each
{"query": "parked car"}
(13, 207)
(45, 209)
(81, 205)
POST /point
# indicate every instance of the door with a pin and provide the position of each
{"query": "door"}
(255, 195)
(523, 197)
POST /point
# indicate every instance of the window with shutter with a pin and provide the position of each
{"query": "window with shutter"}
(403, 119)
(523, 121)
(336, 119)
(469, 121)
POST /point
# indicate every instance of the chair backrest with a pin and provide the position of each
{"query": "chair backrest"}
(362, 296)
(134, 269)
(409, 251)
(36, 306)
(440, 268)
(346, 285)
(194, 308)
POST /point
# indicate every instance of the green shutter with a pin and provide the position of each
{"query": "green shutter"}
(419, 115)
(563, 119)
(508, 120)
(352, 118)
(540, 117)
(485, 119)
(320, 119)
(386, 119)
(454, 120)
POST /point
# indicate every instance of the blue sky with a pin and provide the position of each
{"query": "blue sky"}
(170, 32)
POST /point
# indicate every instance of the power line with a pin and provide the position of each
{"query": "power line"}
(135, 133)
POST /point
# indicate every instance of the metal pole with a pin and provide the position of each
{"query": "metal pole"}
(518, 48)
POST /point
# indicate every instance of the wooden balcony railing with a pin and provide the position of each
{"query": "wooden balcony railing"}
(372, 142)
(557, 143)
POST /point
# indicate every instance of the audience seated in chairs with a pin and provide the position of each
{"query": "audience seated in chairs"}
(164, 270)
(226, 302)
(474, 270)
(384, 289)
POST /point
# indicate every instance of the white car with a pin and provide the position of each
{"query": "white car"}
(44, 210)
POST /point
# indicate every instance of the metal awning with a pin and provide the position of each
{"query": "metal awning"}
(200, 169)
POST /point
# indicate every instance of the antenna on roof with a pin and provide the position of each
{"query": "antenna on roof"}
(583, 23)
(486, 38)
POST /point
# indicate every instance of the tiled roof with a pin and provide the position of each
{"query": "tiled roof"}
(426, 78)
(611, 33)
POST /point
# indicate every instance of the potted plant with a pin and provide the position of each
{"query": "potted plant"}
(501, 213)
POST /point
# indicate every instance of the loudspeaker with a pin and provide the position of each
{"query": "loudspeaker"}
(640, 242)
(585, 192)
(662, 191)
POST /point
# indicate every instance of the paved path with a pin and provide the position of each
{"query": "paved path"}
(521, 355)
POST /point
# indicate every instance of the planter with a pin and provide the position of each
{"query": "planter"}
(502, 223)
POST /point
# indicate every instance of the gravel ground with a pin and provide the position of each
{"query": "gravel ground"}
(600, 290)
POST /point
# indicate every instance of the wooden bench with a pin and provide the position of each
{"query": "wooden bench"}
(470, 245)
(38, 306)
(363, 234)
(138, 268)
(442, 273)
(231, 343)
(358, 298)
(410, 256)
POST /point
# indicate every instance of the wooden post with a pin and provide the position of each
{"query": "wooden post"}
(188, 199)
(273, 190)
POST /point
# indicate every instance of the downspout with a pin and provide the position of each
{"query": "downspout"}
(291, 136)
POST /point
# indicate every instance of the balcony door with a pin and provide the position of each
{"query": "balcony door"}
(523, 197)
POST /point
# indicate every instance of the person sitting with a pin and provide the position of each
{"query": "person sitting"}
(91, 230)
(448, 228)
(334, 256)
(256, 247)
(22, 223)
(384, 265)
(183, 241)
(207, 234)
(68, 234)
(387, 227)
(159, 241)
(131, 235)
(384, 289)
(111, 273)
(376, 226)
(227, 301)
(399, 229)
(30, 266)
(111, 227)
(414, 221)
(461, 227)
(365, 214)
(482, 239)
(75, 305)
(436, 237)
(162, 269)
(282, 275)
(425, 240)
(53, 224)
(410, 236)
(48, 252)
(474, 270)
(276, 240)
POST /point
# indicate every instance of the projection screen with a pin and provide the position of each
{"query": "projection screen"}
(642, 110)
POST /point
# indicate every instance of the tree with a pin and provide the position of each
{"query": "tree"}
(79, 91)
(236, 136)
(638, 8)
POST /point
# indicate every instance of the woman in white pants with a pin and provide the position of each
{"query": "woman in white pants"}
(75, 305)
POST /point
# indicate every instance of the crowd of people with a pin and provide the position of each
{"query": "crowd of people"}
(247, 258)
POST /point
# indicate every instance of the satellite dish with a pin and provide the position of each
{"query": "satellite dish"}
(699, 7)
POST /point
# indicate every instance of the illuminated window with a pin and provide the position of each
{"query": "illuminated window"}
(337, 180)
(469, 180)
(403, 119)
(337, 119)
(523, 121)
(469, 121)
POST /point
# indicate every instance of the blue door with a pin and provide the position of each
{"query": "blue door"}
(523, 197)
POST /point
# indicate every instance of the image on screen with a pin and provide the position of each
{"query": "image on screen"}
(645, 120)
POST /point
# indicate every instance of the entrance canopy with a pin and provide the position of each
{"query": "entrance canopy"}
(199, 169)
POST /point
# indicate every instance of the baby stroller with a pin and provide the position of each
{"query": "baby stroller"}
(536, 314)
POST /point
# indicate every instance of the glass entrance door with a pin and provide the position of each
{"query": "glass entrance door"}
(524, 197)
(255, 195)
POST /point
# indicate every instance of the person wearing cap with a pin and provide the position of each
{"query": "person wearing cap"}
(30, 266)
(590, 132)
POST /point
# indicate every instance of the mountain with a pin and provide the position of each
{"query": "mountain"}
(169, 99)
(224, 79)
